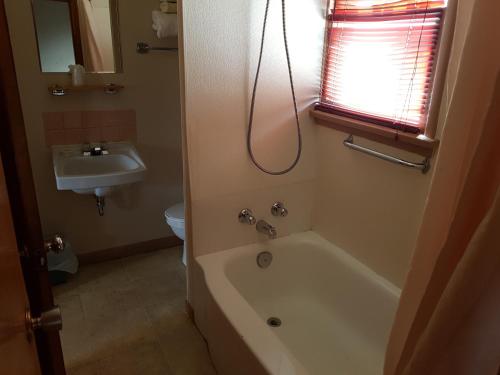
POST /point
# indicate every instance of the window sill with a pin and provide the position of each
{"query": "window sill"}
(415, 143)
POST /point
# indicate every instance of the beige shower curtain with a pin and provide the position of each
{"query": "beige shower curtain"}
(448, 320)
(92, 50)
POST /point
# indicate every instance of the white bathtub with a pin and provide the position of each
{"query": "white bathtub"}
(336, 313)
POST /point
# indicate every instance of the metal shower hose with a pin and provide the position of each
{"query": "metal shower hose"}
(252, 105)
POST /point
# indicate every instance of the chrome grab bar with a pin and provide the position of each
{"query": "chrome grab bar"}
(424, 166)
(145, 48)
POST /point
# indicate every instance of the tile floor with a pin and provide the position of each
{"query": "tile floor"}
(128, 317)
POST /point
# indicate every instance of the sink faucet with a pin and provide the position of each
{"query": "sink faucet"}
(267, 229)
(94, 150)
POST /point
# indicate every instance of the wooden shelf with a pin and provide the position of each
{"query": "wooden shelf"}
(62, 90)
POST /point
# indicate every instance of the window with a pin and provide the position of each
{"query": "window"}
(379, 61)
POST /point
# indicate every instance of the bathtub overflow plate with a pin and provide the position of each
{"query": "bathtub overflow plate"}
(264, 259)
(274, 322)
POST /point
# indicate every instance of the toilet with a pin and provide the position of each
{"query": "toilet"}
(174, 216)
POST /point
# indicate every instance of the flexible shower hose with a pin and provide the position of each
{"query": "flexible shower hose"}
(252, 105)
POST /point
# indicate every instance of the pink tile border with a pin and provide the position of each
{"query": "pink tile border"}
(92, 119)
(118, 118)
(72, 120)
(111, 133)
(53, 120)
(75, 127)
(54, 137)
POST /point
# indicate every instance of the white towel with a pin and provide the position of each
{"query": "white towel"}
(164, 24)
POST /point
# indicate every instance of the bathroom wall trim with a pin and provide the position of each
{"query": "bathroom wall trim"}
(124, 251)
(410, 142)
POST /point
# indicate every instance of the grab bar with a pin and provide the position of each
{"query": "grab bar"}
(424, 166)
(145, 48)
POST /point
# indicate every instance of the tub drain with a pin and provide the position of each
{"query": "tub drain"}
(274, 322)
(264, 259)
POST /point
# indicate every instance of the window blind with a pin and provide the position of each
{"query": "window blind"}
(380, 59)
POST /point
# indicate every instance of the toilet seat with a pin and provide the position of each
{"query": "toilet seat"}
(175, 214)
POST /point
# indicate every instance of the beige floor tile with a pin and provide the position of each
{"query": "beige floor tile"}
(71, 308)
(185, 349)
(159, 263)
(160, 290)
(104, 303)
(66, 289)
(88, 368)
(98, 335)
(144, 359)
(165, 318)
(141, 357)
(127, 317)
(102, 276)
(167, 311)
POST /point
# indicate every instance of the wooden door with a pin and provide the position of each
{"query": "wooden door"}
(18, 352)
(18, 180)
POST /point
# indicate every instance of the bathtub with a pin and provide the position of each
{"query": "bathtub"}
(335, 312)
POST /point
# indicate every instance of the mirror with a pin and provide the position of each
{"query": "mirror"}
(77, 32)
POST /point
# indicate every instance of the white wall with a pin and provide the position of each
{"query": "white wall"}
(368, 207)
(151, 88)
(221, 42)
(371, 208)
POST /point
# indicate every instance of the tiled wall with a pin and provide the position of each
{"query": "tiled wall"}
(75, 127)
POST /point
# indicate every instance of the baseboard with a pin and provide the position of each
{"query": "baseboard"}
(128, 250)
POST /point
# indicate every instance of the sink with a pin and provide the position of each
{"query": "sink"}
(97, 174)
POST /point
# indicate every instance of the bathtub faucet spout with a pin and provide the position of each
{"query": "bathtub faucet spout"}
(267, 229)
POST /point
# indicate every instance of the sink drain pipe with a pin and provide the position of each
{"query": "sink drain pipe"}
(100, 203)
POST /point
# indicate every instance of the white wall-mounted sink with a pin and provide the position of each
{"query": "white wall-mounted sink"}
(96, 174)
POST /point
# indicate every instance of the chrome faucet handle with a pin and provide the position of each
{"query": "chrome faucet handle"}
(267, 229)
(104, 148)
(94, 149)
(86, 147)
(55, 243)
(278, 209)
(246, 217)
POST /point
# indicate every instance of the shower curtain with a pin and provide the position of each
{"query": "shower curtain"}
(92, 50)
(448, 320)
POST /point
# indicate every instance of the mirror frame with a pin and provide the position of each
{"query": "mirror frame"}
(77, 39)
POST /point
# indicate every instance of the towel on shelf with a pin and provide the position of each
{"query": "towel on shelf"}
(164, 24)
(168, 7)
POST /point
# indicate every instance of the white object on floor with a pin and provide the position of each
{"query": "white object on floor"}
(65, 260)
(174, 216)
(164, 24)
